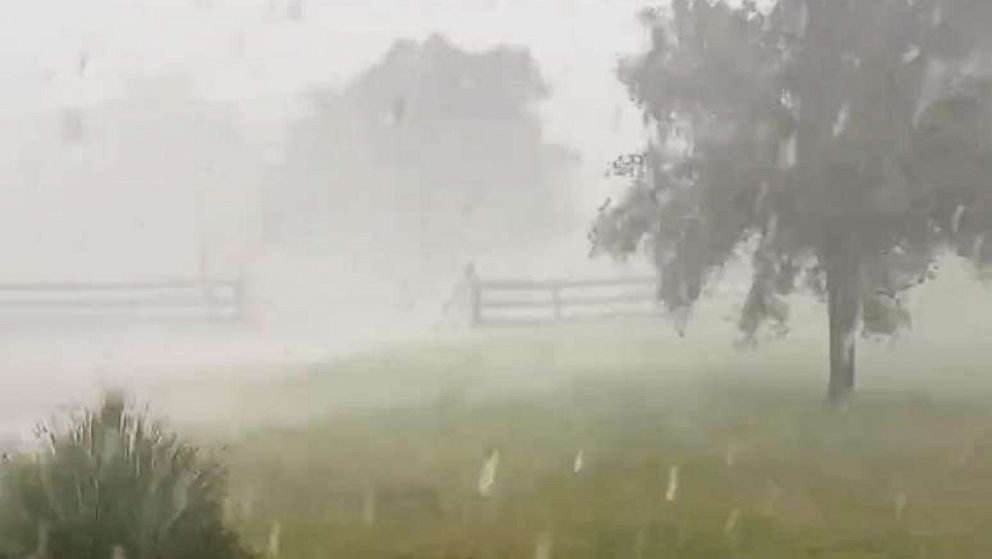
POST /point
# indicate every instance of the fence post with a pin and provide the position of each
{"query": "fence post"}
(556, 302)
(208, 295)
(239, 299)
(474, 295)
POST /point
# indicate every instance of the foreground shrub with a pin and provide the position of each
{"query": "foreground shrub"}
(111, 484)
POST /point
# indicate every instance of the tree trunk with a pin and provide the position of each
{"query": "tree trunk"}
(843, 309)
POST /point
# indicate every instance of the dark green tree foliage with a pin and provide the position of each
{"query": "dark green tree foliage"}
(845, 141)
(112, 480)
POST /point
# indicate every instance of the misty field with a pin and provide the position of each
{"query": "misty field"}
(631, 462)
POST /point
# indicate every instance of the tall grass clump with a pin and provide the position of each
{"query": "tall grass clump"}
(110, 484)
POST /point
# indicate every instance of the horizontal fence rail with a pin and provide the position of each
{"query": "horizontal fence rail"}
(512, 302)
(153, 298)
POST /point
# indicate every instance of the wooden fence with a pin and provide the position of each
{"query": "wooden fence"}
(515, 301)
(212, 299)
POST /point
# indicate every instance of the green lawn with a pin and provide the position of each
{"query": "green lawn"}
(763, 471)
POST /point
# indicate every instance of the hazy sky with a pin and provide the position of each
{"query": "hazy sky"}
(252, 53)
(250, 49)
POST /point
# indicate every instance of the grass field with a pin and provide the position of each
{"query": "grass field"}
(634, 462)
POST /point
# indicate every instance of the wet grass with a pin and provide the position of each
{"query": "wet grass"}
(688, 450)
(692, 468)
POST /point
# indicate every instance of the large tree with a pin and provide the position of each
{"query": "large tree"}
(845, 141)
(425, 152)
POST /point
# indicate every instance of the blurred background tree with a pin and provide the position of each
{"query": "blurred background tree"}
(434, 152)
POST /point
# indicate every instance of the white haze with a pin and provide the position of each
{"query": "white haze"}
(69, 212)
(88, 212)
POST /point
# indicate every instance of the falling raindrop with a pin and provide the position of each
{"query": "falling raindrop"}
(731, 457)
(956, 219)
(543, 547)
(900, 505)
(579, 462)
(731, 524)
(911, 55)
(976, 248)
(368, 507)
(840, 123)
(274, 539)
(487, 476)
(673, 483)
(787, 153)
